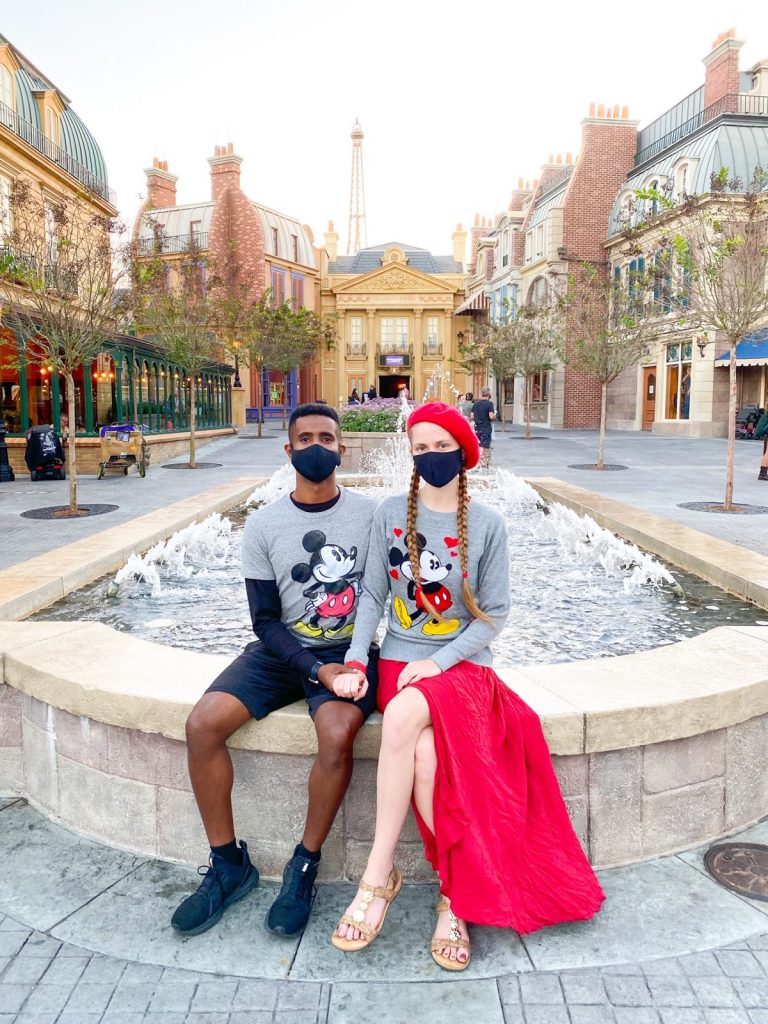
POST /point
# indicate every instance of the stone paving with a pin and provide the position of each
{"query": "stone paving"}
(44, 980)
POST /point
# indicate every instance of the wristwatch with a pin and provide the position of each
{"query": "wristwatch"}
(313, 673)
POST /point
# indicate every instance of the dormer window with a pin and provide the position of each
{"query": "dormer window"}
(274, 242)
(52, 125)
(681, 181)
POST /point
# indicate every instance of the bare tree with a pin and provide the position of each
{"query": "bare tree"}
(289, 338)
(172, 307)
(58, 277)
(715, 250)
(611, 326)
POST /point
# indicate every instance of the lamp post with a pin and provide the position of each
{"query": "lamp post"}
(6, 472)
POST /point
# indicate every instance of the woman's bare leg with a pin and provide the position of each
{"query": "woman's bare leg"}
(406, 716)
(425, 769)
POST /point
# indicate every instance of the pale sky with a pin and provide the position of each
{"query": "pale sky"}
(456, 100)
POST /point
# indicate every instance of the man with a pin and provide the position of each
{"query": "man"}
(483, 414)
(372, 393)
(303, 559)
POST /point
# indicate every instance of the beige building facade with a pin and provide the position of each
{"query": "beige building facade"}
(392, 307)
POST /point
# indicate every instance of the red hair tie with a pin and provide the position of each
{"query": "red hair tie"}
(465, 575)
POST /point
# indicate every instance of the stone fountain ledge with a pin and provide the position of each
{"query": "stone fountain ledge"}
(656, 751)
(27, 587)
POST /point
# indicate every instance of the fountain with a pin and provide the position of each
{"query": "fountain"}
(654, 749)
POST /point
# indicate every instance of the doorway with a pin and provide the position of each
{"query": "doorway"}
(389, 385)
(649, 397)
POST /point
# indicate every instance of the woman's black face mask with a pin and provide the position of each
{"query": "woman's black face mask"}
(315, 463)
(439, 468)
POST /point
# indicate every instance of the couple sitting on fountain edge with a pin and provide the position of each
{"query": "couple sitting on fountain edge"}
(457, 744)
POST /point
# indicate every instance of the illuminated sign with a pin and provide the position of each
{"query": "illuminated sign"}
(395, 360)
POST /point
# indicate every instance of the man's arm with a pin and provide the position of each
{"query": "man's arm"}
(266, 618)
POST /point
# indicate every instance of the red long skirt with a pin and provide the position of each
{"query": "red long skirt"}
(503, 846)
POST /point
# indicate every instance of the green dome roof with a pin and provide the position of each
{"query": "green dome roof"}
(81, 156)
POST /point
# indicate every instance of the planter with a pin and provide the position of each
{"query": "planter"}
(359, 444)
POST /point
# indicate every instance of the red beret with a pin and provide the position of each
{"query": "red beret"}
(449, 419)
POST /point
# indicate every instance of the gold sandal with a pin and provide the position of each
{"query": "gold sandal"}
(357, 918)
(454, 941)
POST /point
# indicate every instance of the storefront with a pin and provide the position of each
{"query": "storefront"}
(129, 381)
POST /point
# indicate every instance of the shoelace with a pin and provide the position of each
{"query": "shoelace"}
(298, 882)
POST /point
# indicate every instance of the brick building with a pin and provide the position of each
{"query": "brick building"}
(682, 388)
(548, 228)
(267, 248)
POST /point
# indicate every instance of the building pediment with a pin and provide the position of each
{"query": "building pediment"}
(394, 277)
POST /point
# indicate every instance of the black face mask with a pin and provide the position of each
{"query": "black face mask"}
(439, 468)
(315, 463)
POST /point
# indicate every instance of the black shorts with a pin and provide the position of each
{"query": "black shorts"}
(483, 436)
(264, 683)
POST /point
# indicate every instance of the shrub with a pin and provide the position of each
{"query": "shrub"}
(362, 420)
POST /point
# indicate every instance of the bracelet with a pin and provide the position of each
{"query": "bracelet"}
(359, 666)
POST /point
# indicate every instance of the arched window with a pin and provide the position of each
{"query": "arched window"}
(505, 248)
(538, 293)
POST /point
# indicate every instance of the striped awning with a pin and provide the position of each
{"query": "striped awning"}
(477, 302)
(750, 351)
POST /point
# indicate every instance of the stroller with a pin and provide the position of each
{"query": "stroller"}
(122, 446)
(44, 454)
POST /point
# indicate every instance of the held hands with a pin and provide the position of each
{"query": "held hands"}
(417, 670)
(343, 681)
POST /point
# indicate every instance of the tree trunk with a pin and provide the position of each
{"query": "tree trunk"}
(259, 397)
(285, 395)
(192, 420)
(528, 394)
(731, 448)
(71, 449)
(603, 411)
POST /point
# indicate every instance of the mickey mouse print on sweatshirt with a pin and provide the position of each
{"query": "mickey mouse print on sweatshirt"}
(432, 572)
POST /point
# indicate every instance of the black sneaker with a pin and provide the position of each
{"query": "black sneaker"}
(289, 914)
(223, 884)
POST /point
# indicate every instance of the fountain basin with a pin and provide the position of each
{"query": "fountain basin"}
(656, 751)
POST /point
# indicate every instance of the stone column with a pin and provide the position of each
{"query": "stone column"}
(370, 343)
(417, 384)
(341, 354)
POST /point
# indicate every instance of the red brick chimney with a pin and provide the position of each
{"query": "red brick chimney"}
(161, 185)
(225, 170)
(722, 64)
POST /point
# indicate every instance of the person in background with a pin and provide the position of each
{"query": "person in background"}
(354, 398)
(465, 405)
(483, 413)
(761, 434)
(372, 393)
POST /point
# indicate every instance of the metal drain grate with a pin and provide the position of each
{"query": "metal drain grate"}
(740, 867)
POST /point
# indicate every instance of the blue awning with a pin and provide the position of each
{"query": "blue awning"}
(750, 351)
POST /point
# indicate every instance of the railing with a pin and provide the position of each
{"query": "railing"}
(173, 243)
(35, 138)
(391, 348)
(430, 349)
(356, 351)
(23, 265)
(14, 260)
(735, 103)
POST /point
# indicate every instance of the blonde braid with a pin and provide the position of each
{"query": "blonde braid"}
(461, 522)
(413, 544)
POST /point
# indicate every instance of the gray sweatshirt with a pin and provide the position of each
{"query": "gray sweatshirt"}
(317, 560)
(412, 633)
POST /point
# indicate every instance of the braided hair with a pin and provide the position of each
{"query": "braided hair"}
(413, 546)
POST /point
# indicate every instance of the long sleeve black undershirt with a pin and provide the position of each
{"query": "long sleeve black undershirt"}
(266, 611)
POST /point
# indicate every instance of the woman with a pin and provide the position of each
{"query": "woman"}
(354, 398)
(455, 738)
